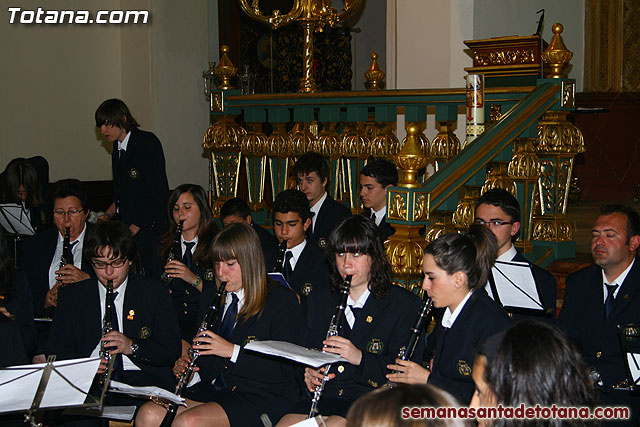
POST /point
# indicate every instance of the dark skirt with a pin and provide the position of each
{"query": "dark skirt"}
(326, 407)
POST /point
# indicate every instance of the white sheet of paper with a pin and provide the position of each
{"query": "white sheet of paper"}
(118, 413)
(525, 294)
(294, 352)
(18, 384)
(13, 218)
(633, 360)
(310, 422)
(147, 391)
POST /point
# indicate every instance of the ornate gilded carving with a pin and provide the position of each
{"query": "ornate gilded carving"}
(328, 143)
(524, 164)
(546, 186)
(421, 212)
(497, 177)
(552, 230)
(405, 257)
(411, 158)
(225, 133)
(464, 214)
(355, 143)
(495, 112)
(254, 143)
(279, 141)
(442, 224)
(505, 57)
(445, 145)
(374, 75)
(556, 55)
(557, 135)
(225, 69)
(385, 143)
(398, 207)
(568, 94)
(302, 139)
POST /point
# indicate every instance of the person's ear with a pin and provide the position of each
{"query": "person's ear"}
(515, 227)
(307, 224)
(459, 279)
(634, 243)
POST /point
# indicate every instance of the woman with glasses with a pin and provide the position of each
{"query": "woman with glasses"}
(377, 322)
(456, 268)
(188, 268)
(234, 386)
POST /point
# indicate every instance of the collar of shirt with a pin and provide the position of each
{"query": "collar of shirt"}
(315, 209)
(618, 281)
(118, 300)
(449, 318)
(380, 214)
(193, 249)
(508, 255)
(228, 298)
(296, 251)
(122, 145)
(362, 300)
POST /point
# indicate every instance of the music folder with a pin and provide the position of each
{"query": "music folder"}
(516, 288)
(279, 277)
(14, 220)
(297, 353)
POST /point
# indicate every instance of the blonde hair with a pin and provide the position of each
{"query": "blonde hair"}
(240, 242)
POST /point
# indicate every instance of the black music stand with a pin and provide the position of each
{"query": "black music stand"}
(16, 224)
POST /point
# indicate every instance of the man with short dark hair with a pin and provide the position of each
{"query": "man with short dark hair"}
(499, 210)
(42, 253)
(140, 181)
(304, 265)
(604, 295)
(375, 179)
(312, 177)
(145, 340)
(237, 210)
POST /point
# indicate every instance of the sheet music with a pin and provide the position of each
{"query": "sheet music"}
(633, 361)
(147, 391)
(118, 413)
(18, 384)
(294, 352)
(515, 285)
(14, 219)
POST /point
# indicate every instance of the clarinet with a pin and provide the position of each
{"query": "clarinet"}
(334, 329)
(282, 249)
(183, 381)
(107, 326)
(66, 247)
(175, 251)
(406, 352)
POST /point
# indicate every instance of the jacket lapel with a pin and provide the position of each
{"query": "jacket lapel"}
(628, 291)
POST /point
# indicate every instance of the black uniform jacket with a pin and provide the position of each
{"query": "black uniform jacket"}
(380, 330)
(311, 269)
(455, 350)
(330, 215)
(142, 182)
(582, 318)
(149, 319)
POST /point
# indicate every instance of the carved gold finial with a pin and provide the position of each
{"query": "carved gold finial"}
(225, 70)
(556, 55)
(374, 75)
(411, 158)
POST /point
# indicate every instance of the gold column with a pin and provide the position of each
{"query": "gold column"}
(465, 212)
(356, 148)
(408, 204)
(445, 145)
(254, 146)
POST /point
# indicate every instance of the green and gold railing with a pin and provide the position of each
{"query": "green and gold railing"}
(528, 148)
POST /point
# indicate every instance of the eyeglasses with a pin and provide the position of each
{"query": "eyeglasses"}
(70, 212)
(493, 223)
(101, 265)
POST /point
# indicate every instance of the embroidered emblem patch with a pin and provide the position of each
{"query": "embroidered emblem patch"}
(375, 346)
(145, 333)
(133, 173)
(463, 368)
(306, 289)
(322, 242)
(208, 275)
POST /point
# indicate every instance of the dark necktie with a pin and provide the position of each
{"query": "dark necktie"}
(67, 253)
(229, 320)
(187, 258)
(608, 303)
(373, 215)
(356, 311)
(118, 365)
(287, 270)
(226, 328)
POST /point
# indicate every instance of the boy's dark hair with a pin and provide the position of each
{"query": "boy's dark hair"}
(502, 199)
(235, 206)
(292, 201)
(633, 219)
(113, 234)
(313, 162)
(382, 171)
(115, 112)
(68, 188)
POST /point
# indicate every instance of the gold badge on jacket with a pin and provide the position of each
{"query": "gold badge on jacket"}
(133, 173)
(463, 368)
(131, 314)
(322, 242)
(250, 338)
(145, 333)
(306, 289)
(375, 346)
(208, 275)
